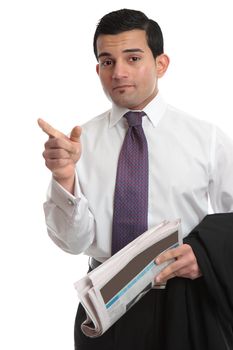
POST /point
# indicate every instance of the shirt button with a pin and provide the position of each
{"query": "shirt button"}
(70, 202)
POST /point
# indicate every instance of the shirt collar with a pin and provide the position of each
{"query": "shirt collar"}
(154, 111)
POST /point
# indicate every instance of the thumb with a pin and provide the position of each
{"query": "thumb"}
(75, 133)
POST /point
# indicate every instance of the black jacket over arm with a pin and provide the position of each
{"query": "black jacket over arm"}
(205, 304)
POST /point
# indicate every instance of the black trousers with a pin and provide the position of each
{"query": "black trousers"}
(183, 316)
(141, 328)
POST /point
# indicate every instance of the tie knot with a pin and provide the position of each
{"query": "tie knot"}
(134, 118)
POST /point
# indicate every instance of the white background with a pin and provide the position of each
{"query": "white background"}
(47, 69)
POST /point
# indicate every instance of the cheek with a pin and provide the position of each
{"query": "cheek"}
(147, 78)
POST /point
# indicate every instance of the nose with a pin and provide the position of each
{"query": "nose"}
(120, 71)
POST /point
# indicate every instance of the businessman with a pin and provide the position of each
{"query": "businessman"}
(130, 168)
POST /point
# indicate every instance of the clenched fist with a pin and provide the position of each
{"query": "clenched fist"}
(61, 153)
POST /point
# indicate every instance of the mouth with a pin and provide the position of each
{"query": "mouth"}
(122, 87)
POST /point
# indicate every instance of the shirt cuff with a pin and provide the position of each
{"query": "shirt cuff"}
(64, 199)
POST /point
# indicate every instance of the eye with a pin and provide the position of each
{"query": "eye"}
(106, 63)
(134, 58)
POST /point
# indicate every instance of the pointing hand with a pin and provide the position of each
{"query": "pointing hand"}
(61, 153)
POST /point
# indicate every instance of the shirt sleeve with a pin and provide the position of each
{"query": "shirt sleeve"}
(221, 177)
(70, 223)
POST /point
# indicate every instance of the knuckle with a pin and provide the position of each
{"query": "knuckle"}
(55, 142)
(187, 247)
(46, 144)
(48, 165)
(44, 154)
(193, 272)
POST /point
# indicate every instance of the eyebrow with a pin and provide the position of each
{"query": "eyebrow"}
(104, 54)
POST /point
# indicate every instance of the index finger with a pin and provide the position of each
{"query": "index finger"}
(49, 130)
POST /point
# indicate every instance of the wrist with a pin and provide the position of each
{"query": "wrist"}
(67, 183)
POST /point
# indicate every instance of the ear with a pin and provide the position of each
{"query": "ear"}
(162, 63)
(97, 68)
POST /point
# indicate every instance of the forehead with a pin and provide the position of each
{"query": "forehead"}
(119, 42)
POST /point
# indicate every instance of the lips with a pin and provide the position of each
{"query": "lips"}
(122, 87)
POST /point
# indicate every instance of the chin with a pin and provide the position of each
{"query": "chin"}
(124, 102)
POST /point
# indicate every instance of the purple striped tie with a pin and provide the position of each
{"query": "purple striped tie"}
(131, 190)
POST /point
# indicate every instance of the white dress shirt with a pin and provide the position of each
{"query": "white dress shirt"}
(190, 162)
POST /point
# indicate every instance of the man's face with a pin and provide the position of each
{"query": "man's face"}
(127, 68)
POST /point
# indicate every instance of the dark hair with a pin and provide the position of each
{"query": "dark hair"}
(123, 20)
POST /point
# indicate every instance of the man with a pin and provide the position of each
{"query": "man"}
(189, 162)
